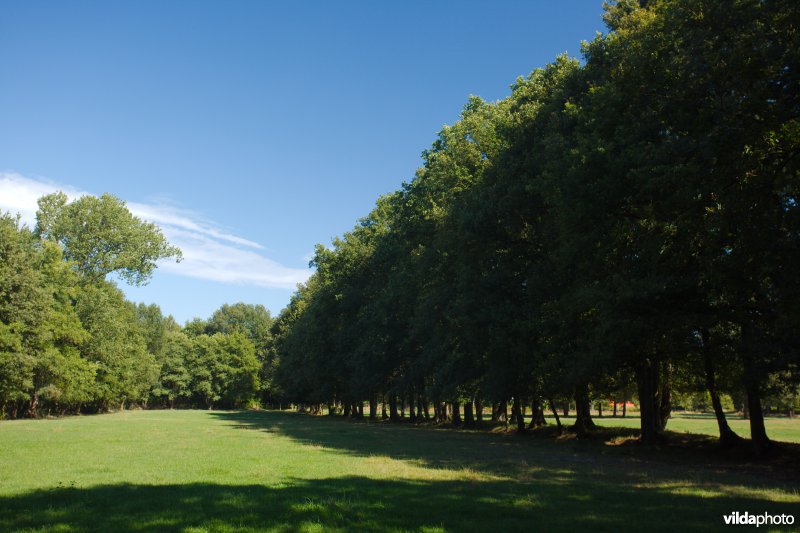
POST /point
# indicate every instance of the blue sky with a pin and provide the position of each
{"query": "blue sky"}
(250, 130)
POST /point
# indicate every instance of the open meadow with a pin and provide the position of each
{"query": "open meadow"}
(282, 471)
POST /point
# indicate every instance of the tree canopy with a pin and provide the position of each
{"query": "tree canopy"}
(71, 342)
(630, 218)
(99, 235)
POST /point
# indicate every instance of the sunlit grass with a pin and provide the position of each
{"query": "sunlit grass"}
(254, 471)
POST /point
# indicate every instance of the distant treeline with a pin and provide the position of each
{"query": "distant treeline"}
(623, 226)
(70, 342)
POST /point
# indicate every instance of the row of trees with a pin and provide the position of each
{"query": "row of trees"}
(625, 222)
(70, 342)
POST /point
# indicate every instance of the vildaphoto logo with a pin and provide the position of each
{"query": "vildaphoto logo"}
(765, 519)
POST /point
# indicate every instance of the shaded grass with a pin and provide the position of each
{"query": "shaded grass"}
(778, 428)
(253, 471)
(349, 503)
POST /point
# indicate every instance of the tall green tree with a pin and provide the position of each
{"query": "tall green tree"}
(255, 322)
(23, 310)
(99, 236)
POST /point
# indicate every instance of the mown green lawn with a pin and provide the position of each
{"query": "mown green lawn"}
(280, 471)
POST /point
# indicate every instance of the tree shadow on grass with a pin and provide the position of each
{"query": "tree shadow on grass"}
(438, 448)
(364, 504)
(513, 456)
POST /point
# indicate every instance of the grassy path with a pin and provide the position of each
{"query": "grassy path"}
(254, 471)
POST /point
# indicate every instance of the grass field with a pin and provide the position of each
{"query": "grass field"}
(252, 471)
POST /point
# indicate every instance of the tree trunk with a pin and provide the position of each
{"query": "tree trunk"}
(538, 413)
(758, 432)
(665, 396)
(346, 411)
(516, 411)
(478, 412)
(393, 416)
(614, 414)
(555, 414)
(727, 437)
(495, 412)
(373, 407)
(456, 413)
(583, 414)
(419, 408)
(469, 418)
(502, 411)
(412, 413)
(566, 408)
(647, 382)
(33, 404)
(532, 423)
(600, 409)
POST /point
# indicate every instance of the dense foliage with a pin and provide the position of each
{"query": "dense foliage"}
(70, 342)
(625, 225)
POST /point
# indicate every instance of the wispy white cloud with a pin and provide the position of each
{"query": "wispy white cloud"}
(208, 251)
(166, 215)
(215, 260)
(19, 194)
